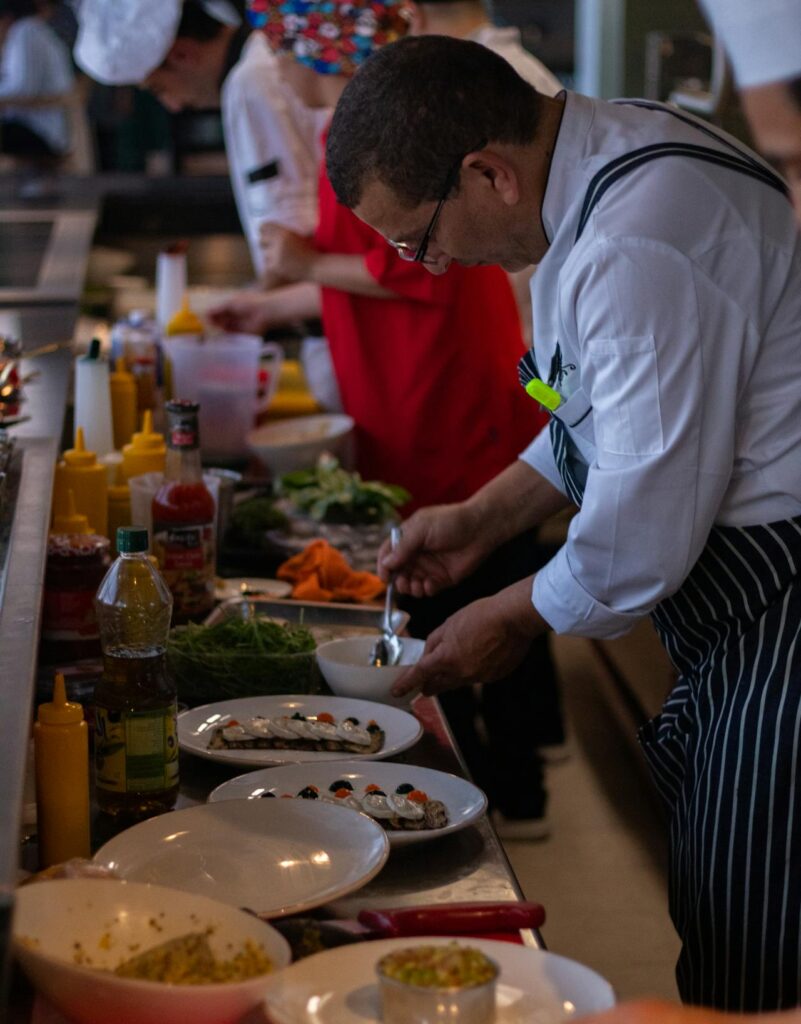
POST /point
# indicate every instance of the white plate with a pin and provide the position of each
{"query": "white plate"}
(339, 986)
(402, 730)
(464, 801)
(224, 589)
(274, 857)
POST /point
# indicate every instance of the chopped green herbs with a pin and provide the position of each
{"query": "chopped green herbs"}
(331, 494)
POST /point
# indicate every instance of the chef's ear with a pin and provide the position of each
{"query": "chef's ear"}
(496, 172)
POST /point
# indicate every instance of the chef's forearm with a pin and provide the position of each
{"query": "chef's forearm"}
(292, 302)
(347, 273)
(516, 500)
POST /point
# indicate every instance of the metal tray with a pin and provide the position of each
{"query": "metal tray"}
(310, 613)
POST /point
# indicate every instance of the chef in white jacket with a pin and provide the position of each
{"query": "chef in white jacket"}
(667, 319)
(200, 54)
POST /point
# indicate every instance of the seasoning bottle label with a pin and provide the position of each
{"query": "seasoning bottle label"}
(186, 559)
(136, 752)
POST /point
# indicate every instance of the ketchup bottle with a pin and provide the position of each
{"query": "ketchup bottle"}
(183, 519)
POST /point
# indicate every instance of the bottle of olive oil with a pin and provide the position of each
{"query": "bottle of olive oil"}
(136, 743)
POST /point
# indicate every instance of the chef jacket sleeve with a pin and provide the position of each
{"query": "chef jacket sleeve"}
(663, 355)
(539, 455)
(277, 152)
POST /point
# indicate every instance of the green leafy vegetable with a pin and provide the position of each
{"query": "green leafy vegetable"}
(251, 519)
(241, 658)
(331, 494)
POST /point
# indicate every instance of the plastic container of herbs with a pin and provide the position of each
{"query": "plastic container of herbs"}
(242, 657)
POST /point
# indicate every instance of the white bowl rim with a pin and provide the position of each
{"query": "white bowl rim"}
(143, 983)
(339, 421)
(323, 650)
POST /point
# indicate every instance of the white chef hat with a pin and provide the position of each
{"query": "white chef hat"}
(761, 37)
(121, 43)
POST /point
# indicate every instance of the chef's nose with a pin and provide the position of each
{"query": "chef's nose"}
(438, 264)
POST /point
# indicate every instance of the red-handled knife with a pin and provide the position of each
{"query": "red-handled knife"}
(453, 919)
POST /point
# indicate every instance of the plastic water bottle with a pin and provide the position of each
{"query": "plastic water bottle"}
(136, 742)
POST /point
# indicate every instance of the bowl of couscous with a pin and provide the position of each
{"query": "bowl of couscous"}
(103, 950)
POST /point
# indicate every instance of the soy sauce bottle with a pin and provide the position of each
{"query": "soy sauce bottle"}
(136, 741)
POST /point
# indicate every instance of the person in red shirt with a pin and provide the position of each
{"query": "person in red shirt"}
(427, 367)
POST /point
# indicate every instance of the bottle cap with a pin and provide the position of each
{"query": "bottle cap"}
(131, 539)
(79, 456)
(184, 321)
(147, 438)
(70, 521)
(119, 490)
(60, 711)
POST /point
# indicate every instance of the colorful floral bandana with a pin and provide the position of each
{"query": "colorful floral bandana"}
(331, 37)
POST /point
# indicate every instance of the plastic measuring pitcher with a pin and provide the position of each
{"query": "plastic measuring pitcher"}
(222, 375)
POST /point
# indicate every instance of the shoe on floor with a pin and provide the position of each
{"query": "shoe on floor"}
(531, 829)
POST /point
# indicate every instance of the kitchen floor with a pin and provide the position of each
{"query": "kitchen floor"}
(601, 874)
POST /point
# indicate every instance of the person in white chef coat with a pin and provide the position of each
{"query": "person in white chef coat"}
(200, 54)
(667, 349)
(763, 41)
(35, 82)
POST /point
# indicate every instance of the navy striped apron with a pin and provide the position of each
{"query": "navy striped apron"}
(725, 752)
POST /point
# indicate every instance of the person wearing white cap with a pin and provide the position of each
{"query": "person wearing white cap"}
(199, 54)
(763, 41)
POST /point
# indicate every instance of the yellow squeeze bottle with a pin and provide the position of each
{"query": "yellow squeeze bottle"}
(80, 472)
(147, 452)
(119, 506)
(61, 747)
(70, 520)
(185, 321)
(123, 403)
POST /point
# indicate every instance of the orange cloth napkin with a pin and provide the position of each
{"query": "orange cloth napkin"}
(321, 573)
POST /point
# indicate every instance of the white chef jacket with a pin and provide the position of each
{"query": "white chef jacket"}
(35, 62)
(678, 318)
(506, 43)
(273, 145)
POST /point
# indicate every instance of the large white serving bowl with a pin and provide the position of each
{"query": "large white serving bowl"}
(114, 920)
(296, 443)
(344, 665)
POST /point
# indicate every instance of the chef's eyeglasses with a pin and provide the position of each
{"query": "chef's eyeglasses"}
(418, 254)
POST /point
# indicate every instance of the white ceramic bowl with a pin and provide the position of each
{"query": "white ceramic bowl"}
(296, 443)
(109, 918)
(344, 665)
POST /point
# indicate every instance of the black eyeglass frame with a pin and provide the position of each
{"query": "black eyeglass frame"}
(453, 176)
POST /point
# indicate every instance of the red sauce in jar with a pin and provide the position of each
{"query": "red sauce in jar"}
(76, 565)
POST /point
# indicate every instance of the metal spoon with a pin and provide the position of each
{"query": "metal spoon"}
(388, 647)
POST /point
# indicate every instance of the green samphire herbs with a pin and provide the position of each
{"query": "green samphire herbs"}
(241, 658)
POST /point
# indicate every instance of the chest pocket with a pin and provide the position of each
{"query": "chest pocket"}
(625, 371)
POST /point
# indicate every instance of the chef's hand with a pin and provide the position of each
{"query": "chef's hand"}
(481, 643)
(286, 255)
(243, 312)
(439, 546)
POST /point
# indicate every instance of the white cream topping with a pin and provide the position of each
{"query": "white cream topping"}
(377, 805)
(404, 807)
(353, 734)
(286, 728)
